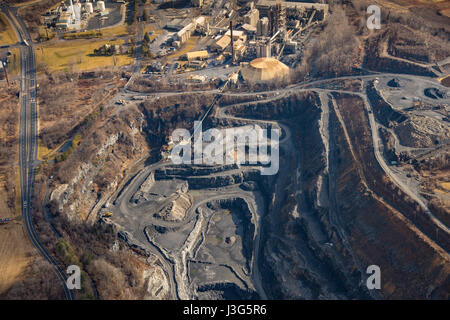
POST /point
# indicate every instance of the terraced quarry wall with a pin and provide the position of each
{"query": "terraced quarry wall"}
(363, 220)
(374, 60)
(373, 216)
(331, 211)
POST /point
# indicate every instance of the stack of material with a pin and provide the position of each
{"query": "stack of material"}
(264, 69)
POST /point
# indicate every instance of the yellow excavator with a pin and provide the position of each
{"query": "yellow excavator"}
(107, 215)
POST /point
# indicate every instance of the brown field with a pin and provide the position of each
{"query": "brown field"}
(15, 248)
(441, 6)
(76, 55)
(425, 3)
(7, 34)
(60, 113)
(446, 81)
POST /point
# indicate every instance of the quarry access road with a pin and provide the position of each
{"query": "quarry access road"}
(221, 112)
(375, 135)
(122, 208)
(207, 196)
(138, 60)
(377, 145)
(127, 94)
(122, 202)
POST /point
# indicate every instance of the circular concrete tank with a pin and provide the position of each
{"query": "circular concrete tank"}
(101, 6)
(89, 8)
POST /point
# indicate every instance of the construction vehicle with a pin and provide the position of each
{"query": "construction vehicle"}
(5, 221)
(107, 215)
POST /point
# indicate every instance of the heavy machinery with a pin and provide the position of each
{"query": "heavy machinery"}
(107, 215)
(5, 220)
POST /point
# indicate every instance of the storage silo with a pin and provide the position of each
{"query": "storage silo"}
(89, 7)
(262, 27)
(101, 6)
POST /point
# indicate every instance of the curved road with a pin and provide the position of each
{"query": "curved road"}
(28, 138)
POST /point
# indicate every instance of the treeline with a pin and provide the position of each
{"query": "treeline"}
(40, 284)
(110, 273)
(131, 12)
(114, 275)
(162, 85)
(82, 35)
(146, 46)
(31, 14)
(73, 144)
(9, 122)
(334, 52)
(59, 111)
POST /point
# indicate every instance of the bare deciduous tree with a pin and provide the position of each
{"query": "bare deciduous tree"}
(335, 51)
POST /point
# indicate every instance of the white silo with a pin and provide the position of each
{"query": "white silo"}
(77, 11)
(89, 7)
(101, 6)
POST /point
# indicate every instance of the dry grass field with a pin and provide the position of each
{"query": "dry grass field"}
(77, 55)
(442, 6)
(7, 34)
(15, 248)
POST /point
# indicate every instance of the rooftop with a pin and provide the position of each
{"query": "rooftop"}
(291, 4)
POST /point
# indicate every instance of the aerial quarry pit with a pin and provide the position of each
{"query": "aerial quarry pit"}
(204, 223)
(129, 134)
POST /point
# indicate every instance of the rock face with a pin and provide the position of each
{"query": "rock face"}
(157, 284)
(384, 112)
(329, 222)
(93, 171)
(309, 232)
(176, 210)
(423, 132)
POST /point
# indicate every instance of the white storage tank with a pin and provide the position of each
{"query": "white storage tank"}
(101, 5)
(89, 7)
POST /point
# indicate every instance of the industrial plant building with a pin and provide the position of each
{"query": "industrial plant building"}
(70, 17)
(186, 27)
(74, 15)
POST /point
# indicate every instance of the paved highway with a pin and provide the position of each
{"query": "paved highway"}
(28, 138)
(137, 64)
